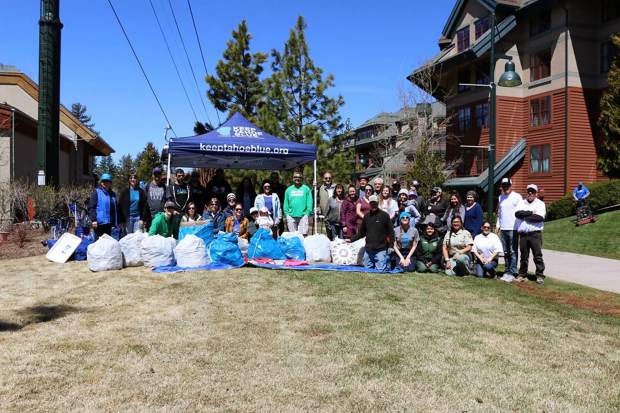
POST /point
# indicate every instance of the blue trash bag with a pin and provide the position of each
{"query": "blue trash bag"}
(262, 245)
(224, 250)
(204, 231)
(80, 252)
(116, 233)
(292, 248)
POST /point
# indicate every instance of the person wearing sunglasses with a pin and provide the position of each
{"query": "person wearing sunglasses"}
(362, 205)
(214, 214)
(486, 249)
(530, 223)
(191, 213)
(237, 223)
(271, 201)
(298, 205)
(406, 239)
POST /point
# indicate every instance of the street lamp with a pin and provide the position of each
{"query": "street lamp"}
(509, 78)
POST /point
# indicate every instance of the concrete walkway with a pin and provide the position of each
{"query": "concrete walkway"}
(595, 272)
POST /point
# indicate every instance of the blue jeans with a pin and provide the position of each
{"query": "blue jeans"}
(377, 259)
(489, 268)
(132, 225)
(396, 262)
(510, 242)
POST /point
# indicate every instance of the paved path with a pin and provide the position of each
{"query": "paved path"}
(595, 272)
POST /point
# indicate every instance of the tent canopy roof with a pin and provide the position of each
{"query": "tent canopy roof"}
(238, 144)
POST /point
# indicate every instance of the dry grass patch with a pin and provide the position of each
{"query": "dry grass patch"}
(260, 340)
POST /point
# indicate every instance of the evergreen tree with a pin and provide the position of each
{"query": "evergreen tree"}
(297, 92)
(79, 111)
(609, 120)
(146, 160)
(202, 128)
(105, 165)
(236, 87)
(124, 168)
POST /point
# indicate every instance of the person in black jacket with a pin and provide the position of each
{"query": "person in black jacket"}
(377, 227)
(133, 211)
(179, 192)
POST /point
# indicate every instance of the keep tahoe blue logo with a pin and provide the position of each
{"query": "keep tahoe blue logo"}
(224, 130)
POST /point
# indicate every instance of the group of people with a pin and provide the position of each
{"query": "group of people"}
(401, 227)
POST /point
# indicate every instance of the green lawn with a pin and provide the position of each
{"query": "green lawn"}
(261, 340)
(601, 238)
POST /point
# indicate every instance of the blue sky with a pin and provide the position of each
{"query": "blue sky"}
(369, 46)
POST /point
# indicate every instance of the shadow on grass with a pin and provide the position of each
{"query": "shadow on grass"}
(38, 314)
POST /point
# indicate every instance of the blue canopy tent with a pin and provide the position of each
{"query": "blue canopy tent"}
(238, 144)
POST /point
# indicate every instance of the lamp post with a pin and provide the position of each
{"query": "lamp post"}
(509, 78)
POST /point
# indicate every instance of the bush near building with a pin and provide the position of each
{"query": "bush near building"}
(602, 194)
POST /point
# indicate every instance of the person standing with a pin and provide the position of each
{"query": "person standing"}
(246, 194)
(454, 208)
(530, 215)
(473, 214)
(349, 217)
(387, 203)
(379, 232)
(326, 191)
(298, 205)
(102, 207)
(271, 201)
(580, 193)
(362, 183)
(377, 183)
(332, 215)
(155, 195)
(276, 186)
(179, 192)
(218, 187)
(420, 200)
(505, 228)
(198, 192)
(132, 206)
(486, 249)
(435, 209)
(406, 239)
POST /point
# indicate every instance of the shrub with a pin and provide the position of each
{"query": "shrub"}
(602, 194)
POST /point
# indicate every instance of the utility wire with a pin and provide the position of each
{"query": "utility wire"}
(176, 68)
(188, 60)
(217, 112)
(141, 67)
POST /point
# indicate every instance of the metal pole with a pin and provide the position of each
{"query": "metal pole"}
(492, 128)
(315, 193)
(49, 93)
(168, 168)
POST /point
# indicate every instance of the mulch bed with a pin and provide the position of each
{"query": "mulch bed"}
(32, 246)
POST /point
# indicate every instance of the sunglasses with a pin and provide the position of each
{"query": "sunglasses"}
(267, 187)
(327, 177)
(214, 204)
(404, 218)
(486, 227)
(238, 209)
(190, 208)
(297, 177)
(368, 190)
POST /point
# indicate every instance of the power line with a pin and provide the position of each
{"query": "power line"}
(176, 68)
(141, 67)
(217, 112)
(188, 60)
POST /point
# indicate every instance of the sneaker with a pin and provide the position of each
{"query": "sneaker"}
(521, 278)
(540, 280)
(508, 278)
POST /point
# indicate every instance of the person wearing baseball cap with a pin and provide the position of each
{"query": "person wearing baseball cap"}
(505, 227)
(530, 215)
(377, 227)
(102, 207)
(229, 210)
(419, 201)
(155, 192)
(166, 223)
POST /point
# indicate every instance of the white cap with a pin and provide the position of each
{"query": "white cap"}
(533, 186)
(264, 209)
(253, 210)
(231, 196)
(506, 181)
(373, 198)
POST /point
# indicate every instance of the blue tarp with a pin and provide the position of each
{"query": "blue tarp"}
(208, 267)
(238, 144)
(324, 267)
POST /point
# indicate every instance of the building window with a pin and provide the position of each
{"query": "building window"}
(462, 39)
(464, 119)
(540, 159)
(482, 115)
(540, 65)
(610, 9)
(608, 53)
(481, 26)
(463, 77)
(482, 73)
(540, 23)
(540, 111)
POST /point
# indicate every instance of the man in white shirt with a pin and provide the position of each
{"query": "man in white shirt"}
(505, 228)
(530, 215)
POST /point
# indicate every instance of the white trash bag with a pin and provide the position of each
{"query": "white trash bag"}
(158, 251)
(191, 252)
(317, 248)
(359, 247)
(343, 253)
(131, 245)
(243, 246)
(105, 254)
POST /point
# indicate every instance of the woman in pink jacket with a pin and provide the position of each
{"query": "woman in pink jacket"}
(348, 213)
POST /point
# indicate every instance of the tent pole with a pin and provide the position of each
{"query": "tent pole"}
(315, 200)
(168, 169)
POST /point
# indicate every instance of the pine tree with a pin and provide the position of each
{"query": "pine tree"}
(146, 160)
(202, 128)
(297, 92)
(105, 165)
(609, 120)
(79, 111)
(124, 168)
(237, 86)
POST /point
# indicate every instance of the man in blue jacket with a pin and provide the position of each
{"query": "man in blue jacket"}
(102, 207)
